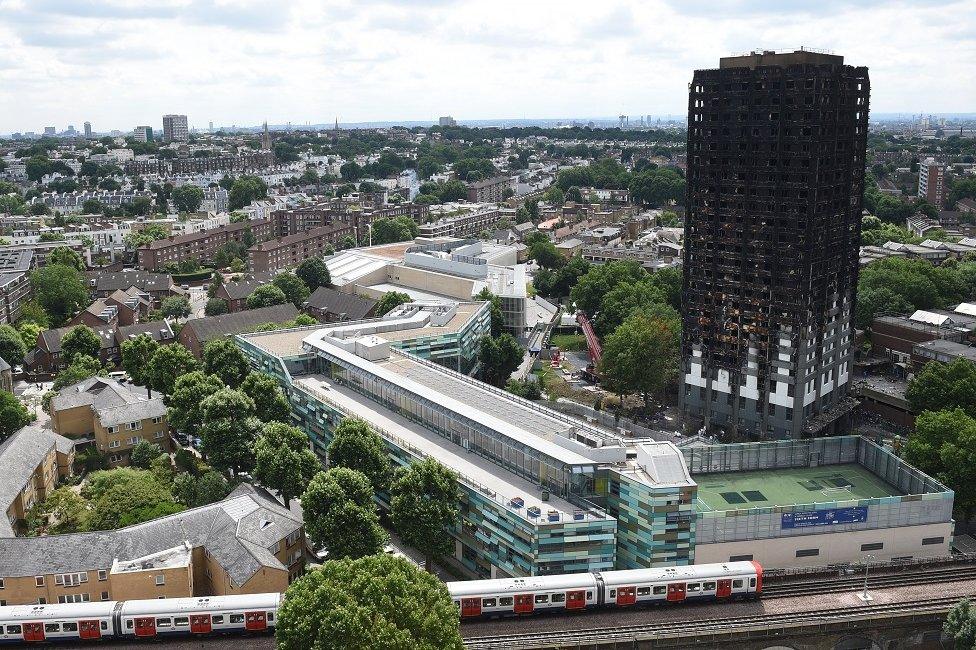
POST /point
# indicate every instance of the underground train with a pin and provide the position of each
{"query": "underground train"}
(256, 613)
(136, 619)
(580, 591)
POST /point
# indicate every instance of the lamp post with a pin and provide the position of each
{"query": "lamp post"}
(864, 595)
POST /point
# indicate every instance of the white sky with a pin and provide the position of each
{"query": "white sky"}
(120, 63)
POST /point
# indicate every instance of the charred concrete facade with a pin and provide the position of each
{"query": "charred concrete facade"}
(776, 146)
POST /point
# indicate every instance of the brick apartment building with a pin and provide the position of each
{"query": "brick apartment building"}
(490, 190)
(202, 245)
(336, 211)
(292, 250)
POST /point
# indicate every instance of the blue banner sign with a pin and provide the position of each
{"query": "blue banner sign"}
(854, 515)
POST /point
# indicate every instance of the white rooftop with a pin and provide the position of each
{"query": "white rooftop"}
(929, 317)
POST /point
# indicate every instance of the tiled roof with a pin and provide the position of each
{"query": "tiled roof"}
(335, 302)
(213, 327)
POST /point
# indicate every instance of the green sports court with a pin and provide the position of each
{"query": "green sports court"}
(787, 487)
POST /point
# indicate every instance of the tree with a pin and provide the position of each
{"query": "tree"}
(82, 367)
(29, 331)
(80, 339)
(283, 461)
(195, 491)
(137, 497)
(641, 356)
(942, 386)
(175, 307)
(13, 415)
(657, 187)
(943, 445)
(60, 290)
(187, 198)
(351, 171)
(66, 257)
(215, 307)
(356, 446)
(167, 364)
(136, 355)
(293, 287)
(386, 231)
(499, 357)
(391, 300)
(144, 453)
(371, 603)
(314, 273)
(960, 625)
(424, 507)
(221, 357)
(546, 254)
(32, 312)
(265, 296)
(229, 430)
(245, 190)
(185, 405)
(66, 510)
(146, 235)
(497, 317)
(270, 404)
(340, 514)
(12, 348)
(599, 280)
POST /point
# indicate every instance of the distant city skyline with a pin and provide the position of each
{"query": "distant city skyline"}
(122, 63)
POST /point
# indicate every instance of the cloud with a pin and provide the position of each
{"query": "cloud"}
(119, 63)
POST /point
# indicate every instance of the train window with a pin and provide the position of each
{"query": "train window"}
(660, 590)
(505, 601)
(737, 584)
(613, 593)
(236, 618)
(270, 617)
(13, 629)
(217, 620)
(694, 586)
(488, 602)
(559, 598)
(541, 598)
(52, 627)
(104, 625)
(181, 621)
(752, 582)
(589, 595)
(70, 627)
(128, 624)
(164, 622)
(709, 586)
(643, 591)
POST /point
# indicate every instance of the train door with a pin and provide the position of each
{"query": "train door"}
(145, 626)
(89, 630)
(524, 603)
(676, 592)
(626, 595)
(471, 607)
(724, 589)
(33, 631)
(255, 621)
(200, 623)
(575, 599)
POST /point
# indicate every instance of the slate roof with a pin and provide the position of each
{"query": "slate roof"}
(242, 288)
(336, 302)
(109, 399)
(213, 327)
(160, 330)
(52, 338)
(20, 454)
(143, 280)
(236, 532)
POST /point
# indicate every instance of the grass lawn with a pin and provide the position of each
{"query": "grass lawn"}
(569, 342)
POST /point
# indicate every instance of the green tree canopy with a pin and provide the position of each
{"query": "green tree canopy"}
(960, 625)
(215, 307)
(390, 300)
(229, 430)
(266, 296)
(943, 445)
(245, 190)
(132, 497)
(942, 386)
(293, 287)
(13, 415)
(500, 357)
(12, 347)
(167, 364)
(373, 603)
(136, 355)
(185, 405)
(641, 355)
(497, 317)
(283, 461)
(187, 198)
(356, 446)
(82, 340)
(66, 257)
(425, 507)
(144, 453)
(81, 367)
(175, 307)
(270, 404)
(60, 290)
(389, 230)
(222, 357)
(340, 514)
(314, 273)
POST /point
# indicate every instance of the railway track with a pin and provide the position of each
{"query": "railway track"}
(692, 628)
(856, 582)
